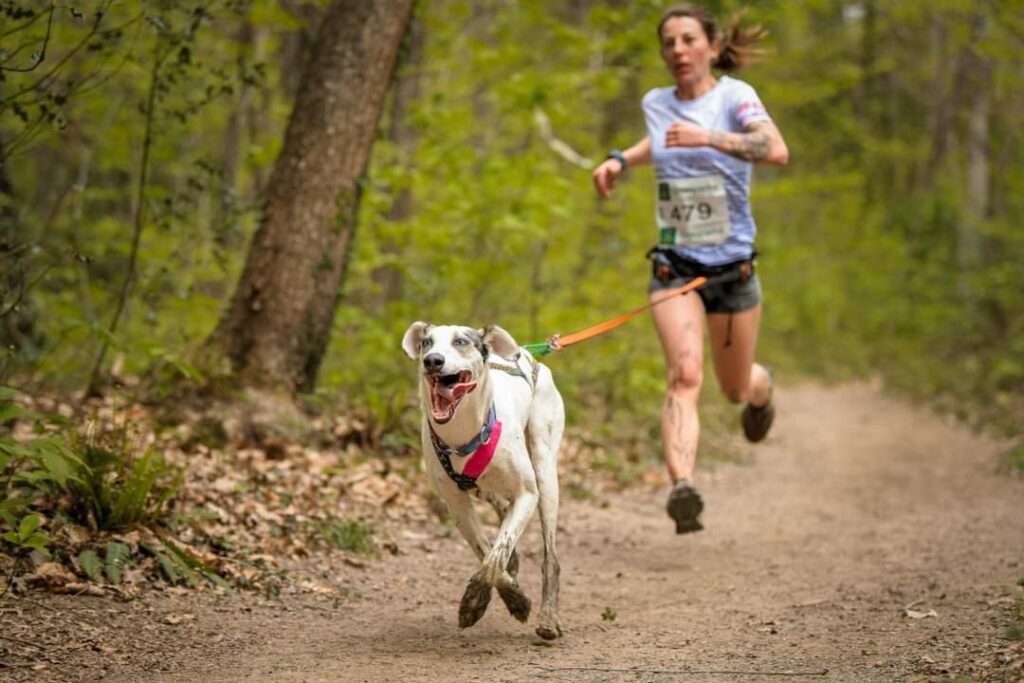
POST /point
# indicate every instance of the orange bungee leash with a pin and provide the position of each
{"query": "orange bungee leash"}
(558, 342)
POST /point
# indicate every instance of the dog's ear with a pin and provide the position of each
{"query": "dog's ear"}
(413, 336)
(500, 342)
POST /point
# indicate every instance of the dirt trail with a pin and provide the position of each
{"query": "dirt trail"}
(857, 509)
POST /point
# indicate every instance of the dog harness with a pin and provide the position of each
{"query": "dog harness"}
(515, 371)
(479, 451)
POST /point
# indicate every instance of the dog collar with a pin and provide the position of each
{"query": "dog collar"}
(481, 448)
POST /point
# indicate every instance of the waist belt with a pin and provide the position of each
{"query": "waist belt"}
(667, 264)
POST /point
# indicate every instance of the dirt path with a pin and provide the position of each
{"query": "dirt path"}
(857, 509)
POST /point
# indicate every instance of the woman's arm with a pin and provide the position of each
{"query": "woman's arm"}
(610, 169)
(761, 142)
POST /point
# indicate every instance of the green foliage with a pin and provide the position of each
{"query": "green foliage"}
(114, 491)
(26, 535)
(117, 557)
(346, 534)
(29, 469)
(91, 564)
(57, 476)
(179, 565)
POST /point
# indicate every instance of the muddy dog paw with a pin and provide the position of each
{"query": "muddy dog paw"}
(515, 599)
(474, 602)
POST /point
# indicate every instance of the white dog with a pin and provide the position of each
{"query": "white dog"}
(492, 425)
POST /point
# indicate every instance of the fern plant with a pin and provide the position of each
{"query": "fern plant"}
(114, 491)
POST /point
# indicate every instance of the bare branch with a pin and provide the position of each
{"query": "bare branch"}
(560, 148)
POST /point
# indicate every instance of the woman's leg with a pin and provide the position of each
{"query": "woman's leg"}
(733, 341)
(680, 326)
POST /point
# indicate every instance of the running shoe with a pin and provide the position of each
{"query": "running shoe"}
(685, 506)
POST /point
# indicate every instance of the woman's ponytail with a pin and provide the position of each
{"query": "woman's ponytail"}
(738, 44)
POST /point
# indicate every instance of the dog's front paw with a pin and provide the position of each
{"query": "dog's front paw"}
(515, 599)
(474, 602)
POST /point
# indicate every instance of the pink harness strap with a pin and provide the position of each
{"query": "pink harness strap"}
(482, 456)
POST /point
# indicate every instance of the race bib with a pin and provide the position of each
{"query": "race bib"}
(692, 212)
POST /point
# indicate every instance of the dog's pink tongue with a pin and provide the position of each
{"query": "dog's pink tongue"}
(462, 388)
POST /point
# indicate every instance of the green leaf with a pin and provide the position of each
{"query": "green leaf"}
(217, 580)
(117, 557)
(9, 411)
(12, 448)
(167, 566)
(91, 564)
(28, 525)
(56, 458)
(7, 393)
(37, 542)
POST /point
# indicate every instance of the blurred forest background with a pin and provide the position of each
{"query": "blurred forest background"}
(138, 140)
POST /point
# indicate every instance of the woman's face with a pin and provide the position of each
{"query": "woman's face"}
(687, 52)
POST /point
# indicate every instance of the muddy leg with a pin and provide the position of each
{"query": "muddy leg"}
(501, 507)
(477, 596)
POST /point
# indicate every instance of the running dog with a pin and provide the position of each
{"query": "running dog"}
(492, 426)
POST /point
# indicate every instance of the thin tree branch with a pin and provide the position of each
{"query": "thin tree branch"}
(100, 13)
(46, 41)
(560, 148)
(24, 26)
(147, 143)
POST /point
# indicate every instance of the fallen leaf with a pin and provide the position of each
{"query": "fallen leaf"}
(79, 589)
(52, 574)
(914, 614)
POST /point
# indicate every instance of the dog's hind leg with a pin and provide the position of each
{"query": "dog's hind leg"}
(544, 436)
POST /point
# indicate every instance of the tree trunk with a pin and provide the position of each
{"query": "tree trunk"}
(276, 328)
(979, 78)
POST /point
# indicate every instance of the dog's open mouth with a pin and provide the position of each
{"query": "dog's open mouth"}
(446, 391)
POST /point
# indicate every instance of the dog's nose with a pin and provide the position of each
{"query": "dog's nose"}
(433, 362)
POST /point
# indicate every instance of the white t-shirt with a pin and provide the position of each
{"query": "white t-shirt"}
(730, 107)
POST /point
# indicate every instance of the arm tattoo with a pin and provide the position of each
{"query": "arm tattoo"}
(753, 146)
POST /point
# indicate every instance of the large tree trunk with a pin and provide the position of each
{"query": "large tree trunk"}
(278, 323)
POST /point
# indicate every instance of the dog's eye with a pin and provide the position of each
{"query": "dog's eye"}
(426, 343)
(459, 342)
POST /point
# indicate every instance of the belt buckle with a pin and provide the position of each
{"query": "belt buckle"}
(661, 267)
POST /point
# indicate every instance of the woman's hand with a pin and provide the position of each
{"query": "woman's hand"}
(605, 175)
(686, 134)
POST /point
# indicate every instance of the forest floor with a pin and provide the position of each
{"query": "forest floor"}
(865, 540)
